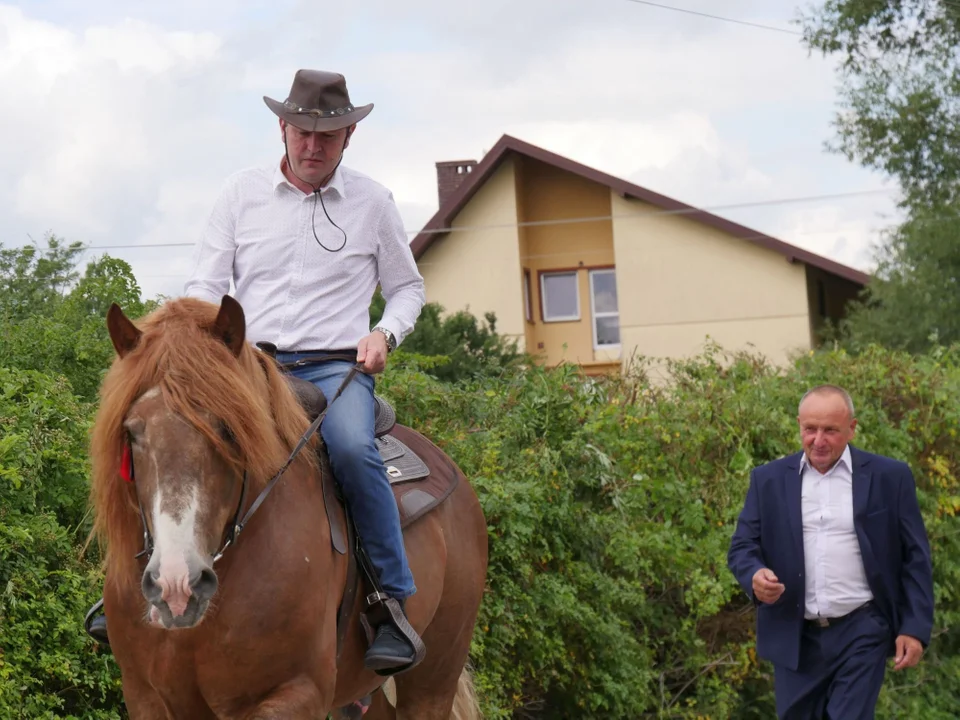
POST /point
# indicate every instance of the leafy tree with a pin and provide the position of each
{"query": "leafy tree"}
(900, 113)
(466, 347)
(900, 89)
(914, 302)
(34, 280)
(59, 329)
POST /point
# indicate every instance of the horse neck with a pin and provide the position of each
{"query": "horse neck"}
(291, 516)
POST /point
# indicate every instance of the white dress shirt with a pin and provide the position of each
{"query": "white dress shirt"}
(294, 293)
(836, 582)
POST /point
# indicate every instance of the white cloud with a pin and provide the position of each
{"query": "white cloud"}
(95, 116)
(119, 124)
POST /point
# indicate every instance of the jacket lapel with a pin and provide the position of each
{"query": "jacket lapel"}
(794, 486)
(861, 484)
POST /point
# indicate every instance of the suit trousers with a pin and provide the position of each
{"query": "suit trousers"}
(841, 669)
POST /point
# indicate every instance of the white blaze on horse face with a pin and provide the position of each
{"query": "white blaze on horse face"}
(151, 393)
(176, 551)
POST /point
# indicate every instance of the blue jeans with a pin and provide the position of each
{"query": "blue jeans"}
(348, 432)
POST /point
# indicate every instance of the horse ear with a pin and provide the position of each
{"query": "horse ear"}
(123, 333)
(231, 325)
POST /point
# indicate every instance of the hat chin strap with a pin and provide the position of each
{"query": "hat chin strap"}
(317, 193)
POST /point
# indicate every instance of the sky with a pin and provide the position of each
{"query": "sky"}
(120, 120)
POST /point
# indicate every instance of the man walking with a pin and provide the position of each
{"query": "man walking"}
(831, 547)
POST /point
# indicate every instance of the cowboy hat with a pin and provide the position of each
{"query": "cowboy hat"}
(318, 102)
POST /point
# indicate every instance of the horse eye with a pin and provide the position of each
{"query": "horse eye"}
(132, 429)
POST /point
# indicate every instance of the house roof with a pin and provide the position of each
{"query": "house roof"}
(437, 225)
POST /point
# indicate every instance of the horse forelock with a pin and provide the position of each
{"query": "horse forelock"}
(199, 377)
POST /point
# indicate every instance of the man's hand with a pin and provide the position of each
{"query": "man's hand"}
(766, 588)
(372, 352)
(909, 650)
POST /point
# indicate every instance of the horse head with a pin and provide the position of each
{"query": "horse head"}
(193, 407)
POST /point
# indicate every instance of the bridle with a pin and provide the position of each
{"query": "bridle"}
(238, 523)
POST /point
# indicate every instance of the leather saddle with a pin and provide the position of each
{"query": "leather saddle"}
(402, 463)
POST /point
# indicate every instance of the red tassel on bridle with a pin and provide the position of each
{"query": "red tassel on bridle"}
(126, 464)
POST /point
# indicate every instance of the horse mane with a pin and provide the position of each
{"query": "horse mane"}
(197, 375)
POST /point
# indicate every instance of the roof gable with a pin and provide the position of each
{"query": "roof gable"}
(439, 224)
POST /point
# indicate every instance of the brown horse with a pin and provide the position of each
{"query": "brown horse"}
(202, 413)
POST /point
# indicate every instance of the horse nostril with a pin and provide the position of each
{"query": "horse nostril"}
(150, 585)
(205, 585)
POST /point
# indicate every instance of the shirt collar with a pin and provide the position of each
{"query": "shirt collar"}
(845, 459)
(335, 183)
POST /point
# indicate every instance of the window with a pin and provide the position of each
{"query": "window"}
(561, 301)
(527, 301)
(606, 311)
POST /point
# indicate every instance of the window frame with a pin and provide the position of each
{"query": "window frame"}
(527, 295)
(593, 309)
(543, 296)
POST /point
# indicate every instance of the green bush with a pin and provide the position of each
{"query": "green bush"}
(48, 667)
(462, 346)
(610, 505)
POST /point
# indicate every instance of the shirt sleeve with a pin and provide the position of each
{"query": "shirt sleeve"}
(400, 280)
(213, 270)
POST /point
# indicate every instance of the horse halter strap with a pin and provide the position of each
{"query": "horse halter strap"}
(238, 524)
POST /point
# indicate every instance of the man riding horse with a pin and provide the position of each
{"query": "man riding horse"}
(306, 286)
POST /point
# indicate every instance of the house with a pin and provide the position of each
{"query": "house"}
(583, 267)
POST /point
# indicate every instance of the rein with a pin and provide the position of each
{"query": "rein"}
(238, 524)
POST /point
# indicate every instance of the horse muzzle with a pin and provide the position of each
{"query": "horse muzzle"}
(178, 601)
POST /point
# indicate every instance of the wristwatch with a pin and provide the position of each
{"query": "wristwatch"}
(391, 340)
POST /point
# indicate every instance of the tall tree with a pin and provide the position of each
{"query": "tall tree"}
(33, 280)
(914, 302)
(52, 318)
(899, 87)
(899, 70)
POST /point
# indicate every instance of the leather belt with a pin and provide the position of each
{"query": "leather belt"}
(822, 622)
(315, 357)
(343, 351)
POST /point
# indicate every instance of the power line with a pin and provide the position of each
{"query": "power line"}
(598, 251)
(772, 28)
(583, 219)
(713, 321)
(659, 213)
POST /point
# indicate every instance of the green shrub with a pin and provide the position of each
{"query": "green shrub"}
(48, 667)
(610, 505)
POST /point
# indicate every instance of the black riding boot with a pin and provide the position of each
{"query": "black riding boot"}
(391, 651)
(96, 625)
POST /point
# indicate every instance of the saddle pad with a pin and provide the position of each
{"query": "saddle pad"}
(416, 497)
(402, 464)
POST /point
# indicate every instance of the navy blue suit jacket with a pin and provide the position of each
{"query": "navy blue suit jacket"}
(893, 544)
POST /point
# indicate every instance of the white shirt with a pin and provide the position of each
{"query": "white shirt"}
(836, 582)
(294, 293)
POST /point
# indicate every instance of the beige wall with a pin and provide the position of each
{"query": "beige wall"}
(478, 268)
(680, 281)
(546, 193)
